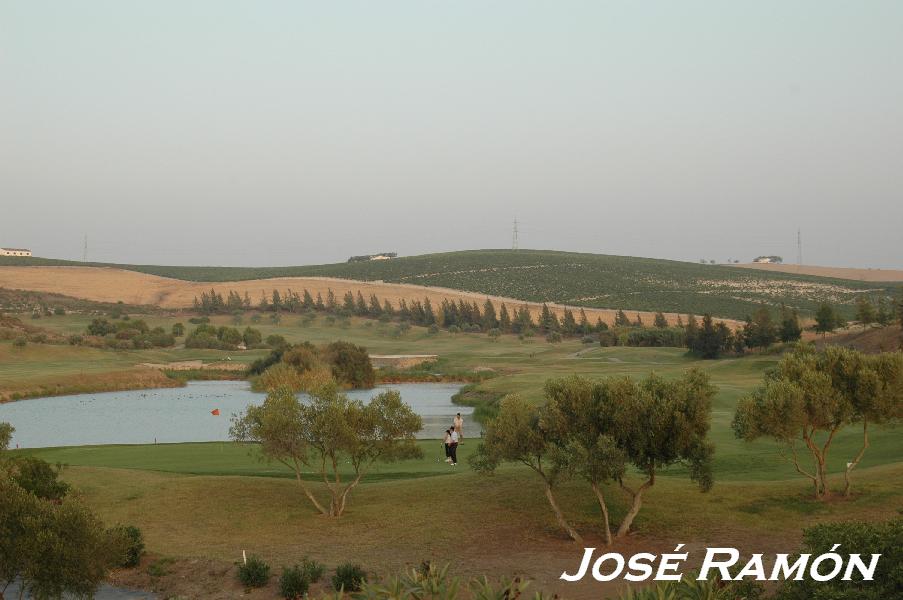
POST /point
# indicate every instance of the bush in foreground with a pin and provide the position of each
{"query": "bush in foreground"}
(349, 577)
(134, 545)
(254, 573)
(293, 584)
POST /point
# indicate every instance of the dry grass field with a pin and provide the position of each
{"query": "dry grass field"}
(876, 275)
(112, 285)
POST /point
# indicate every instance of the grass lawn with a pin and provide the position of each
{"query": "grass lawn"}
(209, 501)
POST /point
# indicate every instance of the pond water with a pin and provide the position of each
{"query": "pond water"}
(169, 415)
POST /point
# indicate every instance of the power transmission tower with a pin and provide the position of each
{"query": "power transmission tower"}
(85, 250)
(514, 235)
(799, 246)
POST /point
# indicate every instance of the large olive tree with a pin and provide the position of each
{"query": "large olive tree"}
(810, 396)
(517, 434)
(328, 430)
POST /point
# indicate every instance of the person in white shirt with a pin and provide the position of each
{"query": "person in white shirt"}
(453, 448)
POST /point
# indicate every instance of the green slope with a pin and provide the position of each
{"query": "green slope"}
(596, 280)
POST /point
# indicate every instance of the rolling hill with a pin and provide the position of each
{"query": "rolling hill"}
(577, 279)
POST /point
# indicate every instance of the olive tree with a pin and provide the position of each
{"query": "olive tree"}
(797, 403)
(580, 429)
(338, 428)
(810, 396)
(517, 435)
(53, 549)
(6, 435)
(328, 431)
(873, 386)
(657, 423)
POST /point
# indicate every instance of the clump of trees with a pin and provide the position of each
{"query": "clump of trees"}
(328, 434)
(130, 333)
(760, 331)
(811, 396)
(302, 366)
(50, 544)
(595, 430)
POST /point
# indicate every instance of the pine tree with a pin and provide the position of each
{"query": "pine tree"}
(429, 317)
(884, 316)
(308, 301)
(791, 330)
(826, 319)
(387, 308)
(601, 325)
(319, 304)
(361, 305)
(568, 323)
(331, 303)
(376, 308)
(865, 312)
(621, 319)
(583, 327)
(692, 331)
(348, 302)
(490, 321)
(547, 320)
(660, 321)
(504, 319)
(639, 321)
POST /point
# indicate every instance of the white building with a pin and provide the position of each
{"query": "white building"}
(15, 252)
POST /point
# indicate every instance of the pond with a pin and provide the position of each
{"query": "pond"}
(170, 415)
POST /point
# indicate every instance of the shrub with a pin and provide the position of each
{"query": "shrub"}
(275, 341)
(38, 477)
(20, 342)
(866, 539)
(254, 573)
(198, 320)
(134, 545)
(312, 569)
(59, 310)
(293, 583)
(433, 329)
(76, 340)
(553, 337)
(454, 329)
(178, 330)
(349, 577)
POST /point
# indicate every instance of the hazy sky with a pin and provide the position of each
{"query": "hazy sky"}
(272, 133)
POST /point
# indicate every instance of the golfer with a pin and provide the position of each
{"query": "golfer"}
(448, 439)
(453, 448)
(459, 427)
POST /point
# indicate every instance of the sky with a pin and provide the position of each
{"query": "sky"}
(278, 133)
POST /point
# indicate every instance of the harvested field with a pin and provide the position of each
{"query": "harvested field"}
(112, 285)
(877, 275)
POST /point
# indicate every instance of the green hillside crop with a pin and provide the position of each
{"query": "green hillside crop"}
(594, 280)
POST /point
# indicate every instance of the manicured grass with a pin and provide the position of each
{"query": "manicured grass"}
(519, 366)
(227, 458)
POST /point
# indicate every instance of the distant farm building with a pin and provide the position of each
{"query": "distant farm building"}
(768, 259)
(15, 252)
(380, 256)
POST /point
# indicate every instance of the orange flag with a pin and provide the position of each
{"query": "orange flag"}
(215, 412)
